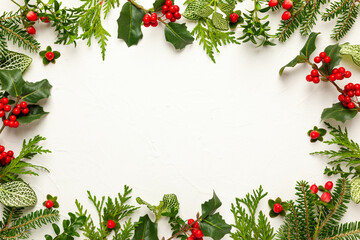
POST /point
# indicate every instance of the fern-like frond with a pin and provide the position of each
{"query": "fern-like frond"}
(346, 20)
(346, 231)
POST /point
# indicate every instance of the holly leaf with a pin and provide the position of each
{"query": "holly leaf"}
(332, 51)
(158, 4)
(14, 60)
(310, 46)
(178, 35)
(219, 22)
(129, 24)
(34, 92)
(339, 113)
(12, 82)
(146, 229)
(210, 206)
(35, 112)
(214, 226)
(17, 194)
(293, 63)
(352, 50)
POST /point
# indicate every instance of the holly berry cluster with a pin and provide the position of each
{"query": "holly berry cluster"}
(196, 233)
(33, 17)
(287, 5)
(326, 196)
(171, 11)
(350, 90)
(5, 157)
(150, 20)
(11, 121)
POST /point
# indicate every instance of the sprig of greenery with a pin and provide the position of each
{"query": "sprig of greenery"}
(71, 227)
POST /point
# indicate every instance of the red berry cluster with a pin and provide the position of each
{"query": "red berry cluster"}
(314, 76)
(326, 196)
(350, 90)
(150, 20)
(322, 58)
(171, 11)
(287, 5)
(339, 74)
(5, 157)
(21, 108)
(197, 234)
(32, 17)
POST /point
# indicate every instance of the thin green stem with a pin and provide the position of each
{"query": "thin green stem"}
(318, 224)
(17, 4)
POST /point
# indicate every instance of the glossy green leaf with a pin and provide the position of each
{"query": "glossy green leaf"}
(146, 229)
(352, 50)
(310, 46)
(209, 207)
(219, 21)
(178, 35)
(35, 112)
(34, 92)
(293, 63)
(129, 24)
(214, 226)
(158, 4)
(332, 51)
(17, 194)
(339, 113)
(14, 60)
(12, 82)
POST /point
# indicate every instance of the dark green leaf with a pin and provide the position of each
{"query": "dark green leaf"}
(309, 47)
(56, 54)
(12, 82)
(35, 112)
(178, 35)
(215, 227)
(56, 229)
(339, 113)
(293, 63)
(129, 24)
(34, 92)
(210, 206)
(146, 229)
(158, 4)
(332, 51)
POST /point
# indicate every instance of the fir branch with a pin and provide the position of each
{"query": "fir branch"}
(335, 9)
(346, 21)
(345, 231)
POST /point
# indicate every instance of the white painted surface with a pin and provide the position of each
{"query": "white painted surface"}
(167, 121)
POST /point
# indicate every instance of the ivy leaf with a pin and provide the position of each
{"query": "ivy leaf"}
(310, 46)
(178, 35)
(12, 82)
(34, 92)
(210, 206)
(332, 51)
(146, 229)
(193, 9)
(339, 113)
(14, 60)
(35, 112)
(219, 22)
(215, 227)
(158, 4)
(129, 24)
(293, 63)
(352, 50)
(17, 194)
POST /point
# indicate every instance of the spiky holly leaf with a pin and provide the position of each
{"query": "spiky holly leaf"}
(14, 60)
(352, 50)
(339, 113)
(146, 229)
(12, 82)
(129, 24)
(35, 112)
(214, 226)
(17, 194)
(178, 35)
(209, 207)
(32, 92)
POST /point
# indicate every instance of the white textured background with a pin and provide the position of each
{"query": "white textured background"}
(167, 121)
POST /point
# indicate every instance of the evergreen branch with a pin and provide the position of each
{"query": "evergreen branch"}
(346, 231)
(346, 21)
(310, 18)
(334, 10)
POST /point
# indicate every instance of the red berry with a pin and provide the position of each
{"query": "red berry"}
(31, 30)
(18, 106)
(314, 134)
(146, 18)
(5, 100)
(10, 153)
(6, 122)
(339, 76)
(341, 70)
(196, 225)
(172, 9)
(286, 16)
(278, 208)
(172, 19)
(190, 221)
(2, 148)
(327, 59)
(165, 9)
(332, 77)
(309, 78)
(314, 189)
(16, 124)
(322, 54)
(273, 3)
(287, 4)
(2, 113)
(351, 105)
(169, 15)
(335, 71)
(45, 19)
(341, 98)
(4, 155)
(146, 24)
(176, 8)
(111, 224)
(154, 24)
(177, 15)
(25, 111)
(347, 74)
(1, 106)
(7, 108)
(49, 56)
(326, 197)
(198, 233)
(8, 160)
(23, 105)
(234, 17)
(347, 99)
(316, 80)
(350, 93)
(315, 73)
(49, 204)
(11, 124)
(329, 185)
(357, 93)
(168, 3)
(12, 118)
(190, 238)
(31, 16)
(357, 86)
(351, 86)
(153, 18)
(317, 59)
(16, 111)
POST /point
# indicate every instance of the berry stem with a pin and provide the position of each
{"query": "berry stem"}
(318, 224)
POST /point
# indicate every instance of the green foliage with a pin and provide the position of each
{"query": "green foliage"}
(116, 210)
(71, 227)
(339, 113)
(20, 166)
(35, 112)
(178, 35)
(146, 229)
(43, 55)
(352, 50)
(14, 60)
(17, 194)
(247, 225)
